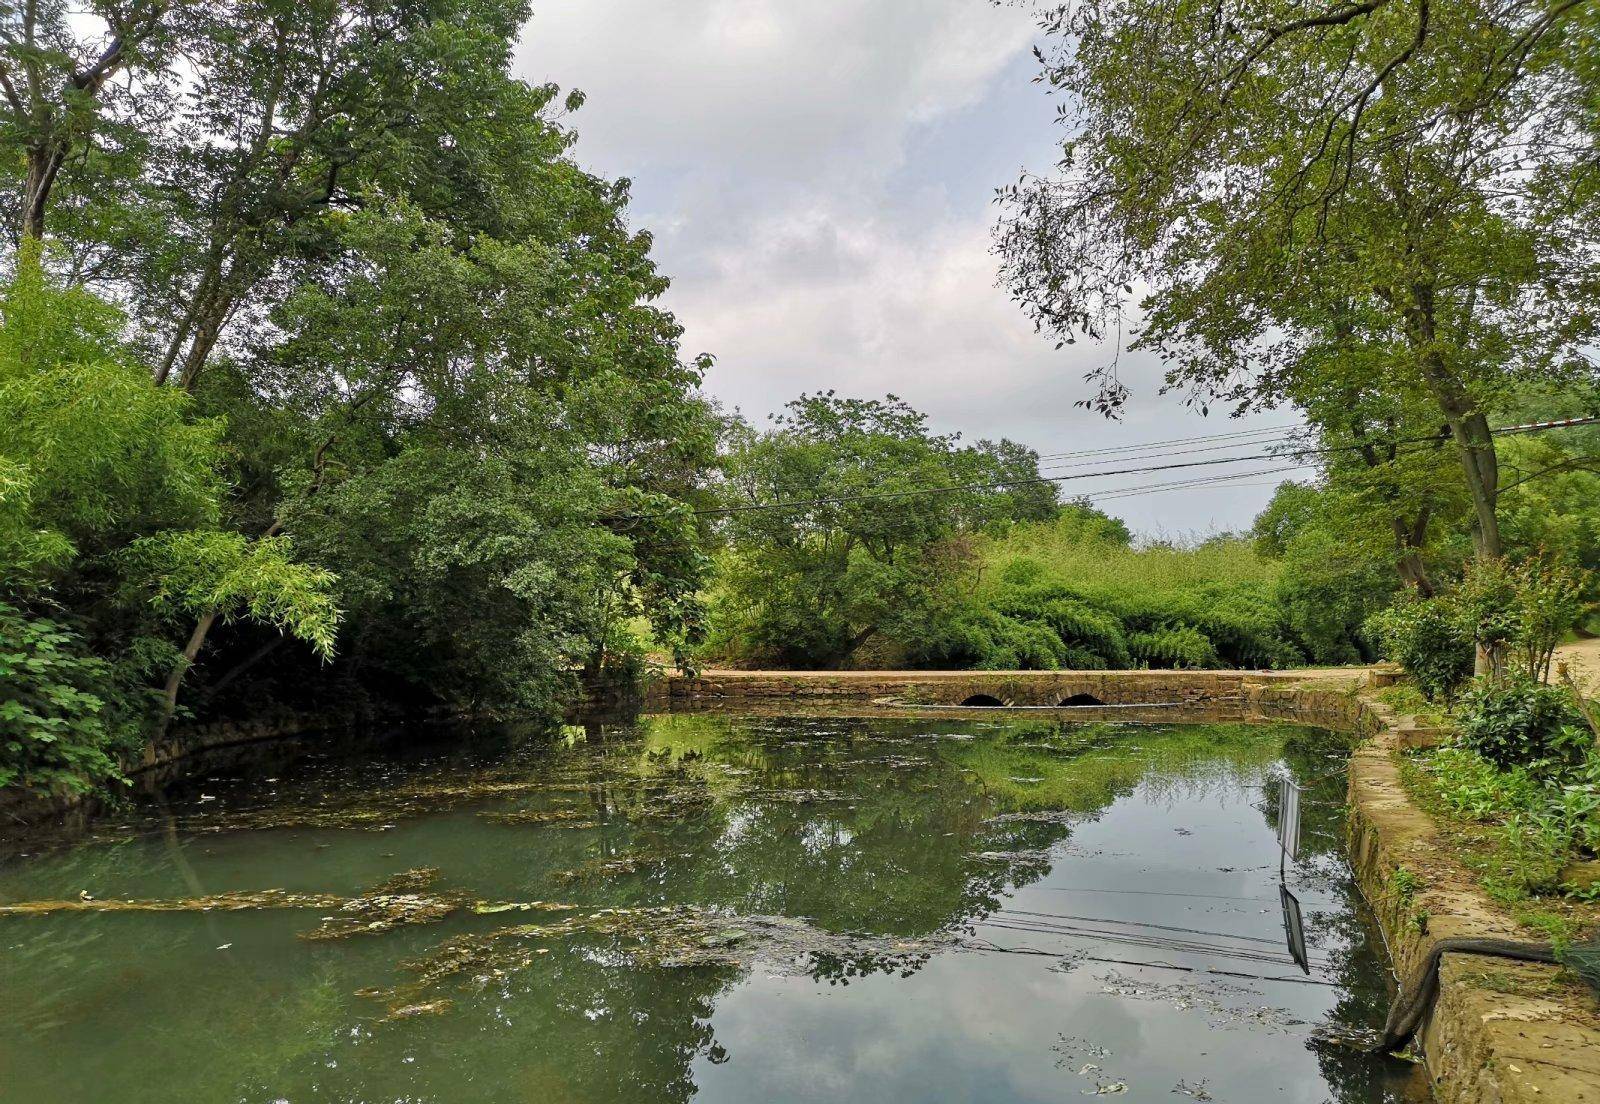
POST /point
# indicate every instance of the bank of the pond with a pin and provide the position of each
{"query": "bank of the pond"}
(185, 752)
(263, 745)
(1498, 1033)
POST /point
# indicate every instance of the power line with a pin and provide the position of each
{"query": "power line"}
(1237, 437)
(1186, 484)
(911, 492)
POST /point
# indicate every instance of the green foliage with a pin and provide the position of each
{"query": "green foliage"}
(1515, 611)
(1525, 724)
(1182, 646)
(1309, 209)
(1072, 593)
(395, 383)
(1429, 642)
(809, 586)
(60, 729)
(1471, 787)
(1335, 567)
(224, 574)
(1519, 611)
(1539, 822)
(92, 455)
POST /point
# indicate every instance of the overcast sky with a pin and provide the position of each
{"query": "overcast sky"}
(819, 178)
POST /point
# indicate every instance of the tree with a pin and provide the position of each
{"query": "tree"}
(868, 550)
(486, 439)
(391, 366)
(1283, 180)
(111, 500)
(1336, 557)
(297, 111)
(57, 70)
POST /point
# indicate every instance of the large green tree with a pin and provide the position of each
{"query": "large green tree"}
(1284, 184)
(387, 360)
(842, 523)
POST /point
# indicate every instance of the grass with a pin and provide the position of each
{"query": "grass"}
(1404, 886)
(1058, 553)
(1513, 831)
(1404, 698)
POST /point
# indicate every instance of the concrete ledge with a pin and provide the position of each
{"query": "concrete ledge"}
(1502, 1032)
(950, 688)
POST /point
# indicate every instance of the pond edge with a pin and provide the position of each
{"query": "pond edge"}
(1499, 1032)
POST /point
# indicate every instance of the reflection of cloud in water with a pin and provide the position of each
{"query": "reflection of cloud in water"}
(789, 898)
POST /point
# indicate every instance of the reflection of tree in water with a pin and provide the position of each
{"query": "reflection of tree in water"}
(881, 834)
(898, 826)
(893, 828)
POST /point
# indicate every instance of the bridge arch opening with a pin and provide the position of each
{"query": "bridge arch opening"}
(987, 700)
(1081, 699)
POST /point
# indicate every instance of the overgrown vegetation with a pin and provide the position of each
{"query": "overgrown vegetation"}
(1076, 593)
(384, 412)
(999, 589)
(862, 554)
(1526, 767)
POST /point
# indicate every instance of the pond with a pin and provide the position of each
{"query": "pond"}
(711, 906)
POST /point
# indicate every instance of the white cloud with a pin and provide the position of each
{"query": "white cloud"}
(819, 177)
(785, 90)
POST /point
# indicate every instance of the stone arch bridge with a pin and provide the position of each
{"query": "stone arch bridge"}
(989, 689)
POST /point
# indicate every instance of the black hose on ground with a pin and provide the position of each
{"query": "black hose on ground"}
(1412, 1004)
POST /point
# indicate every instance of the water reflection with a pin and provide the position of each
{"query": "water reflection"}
(728, 908)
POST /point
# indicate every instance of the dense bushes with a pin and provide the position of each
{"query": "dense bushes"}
(1429, 642)
(394, 416)
(1524, 724)
(60, 722)
(1074, 593)
(876, 562)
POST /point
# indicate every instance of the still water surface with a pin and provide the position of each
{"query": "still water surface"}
(717, 908)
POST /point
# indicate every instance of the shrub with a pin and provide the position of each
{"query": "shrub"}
(1519, 612)
(1429, 641)
(1078, 626)
(1183, 646)
(58, 727)
(1526, 724)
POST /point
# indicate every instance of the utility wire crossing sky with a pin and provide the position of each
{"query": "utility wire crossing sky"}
(1299, 458)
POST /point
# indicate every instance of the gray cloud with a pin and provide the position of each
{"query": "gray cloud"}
(819, 179)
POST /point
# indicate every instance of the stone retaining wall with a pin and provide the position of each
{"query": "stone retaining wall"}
(949, 688)
(183, 753)
(1500, 1031)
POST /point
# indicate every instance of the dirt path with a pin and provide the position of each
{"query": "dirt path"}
(1583, 657)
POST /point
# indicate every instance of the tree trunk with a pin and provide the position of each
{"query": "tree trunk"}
(1408, 553)
(197, 640)
(1481, 469)
(44, 162)
(850, 649)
